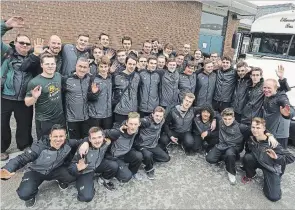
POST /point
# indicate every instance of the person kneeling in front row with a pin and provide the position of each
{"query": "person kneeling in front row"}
(47, 157)
(270, 161)
(94, 161)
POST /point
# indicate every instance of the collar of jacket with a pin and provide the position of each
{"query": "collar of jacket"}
(259, 83)
(108, 76)
(127, 75)
(76, 76)
(262, 141)
(230, 68)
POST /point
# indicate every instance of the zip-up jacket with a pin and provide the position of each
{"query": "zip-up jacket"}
(16, 70)
(148, 90)
(93, 158)
(93, 69)
(278, 125)
(205, 88)
(258, 149)
(179, 121)
(199, 127)
(121, 142)
(169, 88)
(76, 94)
(255, 98)
(125, 92)
(254, 101)
(225, 85)
(231, 136)
(240, 94)
(70, 55)
(43, 158)
(100, 104)
(187, 84)
(149, 133)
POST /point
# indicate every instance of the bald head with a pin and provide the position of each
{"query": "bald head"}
(270, 87)
(54, 44)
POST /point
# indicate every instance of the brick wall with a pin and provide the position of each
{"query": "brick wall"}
(232, 26)
(176, 22)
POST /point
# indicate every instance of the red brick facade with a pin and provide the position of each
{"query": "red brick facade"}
(175, 22)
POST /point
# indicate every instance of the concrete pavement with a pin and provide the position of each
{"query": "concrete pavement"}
(186, 182)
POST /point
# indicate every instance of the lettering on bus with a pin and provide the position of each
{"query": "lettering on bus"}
(288, 21)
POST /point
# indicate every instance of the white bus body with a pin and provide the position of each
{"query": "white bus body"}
(272, 44)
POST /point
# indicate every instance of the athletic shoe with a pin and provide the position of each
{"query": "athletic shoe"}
(151, 174)
(232, 179)
(4, 156)
(246, 180)
(109, 185)
(30, 203)
(62, 186)
(137, 176)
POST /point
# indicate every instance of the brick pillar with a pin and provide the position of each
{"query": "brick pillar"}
(232, 26)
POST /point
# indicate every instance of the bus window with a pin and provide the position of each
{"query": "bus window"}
(270, 44)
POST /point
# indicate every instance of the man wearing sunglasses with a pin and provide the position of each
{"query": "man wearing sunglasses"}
(17, 66)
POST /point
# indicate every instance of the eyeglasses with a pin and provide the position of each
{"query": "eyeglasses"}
(25, 43)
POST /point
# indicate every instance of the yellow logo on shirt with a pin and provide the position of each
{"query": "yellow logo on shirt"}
(53, 90)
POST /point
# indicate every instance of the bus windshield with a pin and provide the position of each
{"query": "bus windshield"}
(273, 45)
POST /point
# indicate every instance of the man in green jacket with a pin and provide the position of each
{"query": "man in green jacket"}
(17, 67)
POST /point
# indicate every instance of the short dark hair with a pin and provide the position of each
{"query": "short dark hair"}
(228, 112)
(180, 54)
(257, 69)
(159, 109)
(57, 127)
(121, 50)
(95, 130)
(259, 121)
(131, 57)
(170, 60)
(242, 64)
(190, 64)
(155, 40)
(198, 50)
(168, 46)
(227, 58)
(152, 57)
(146, 41)
(46, 55)
(102, 34)
(126, 38)
(96, 45)
(207, 61)
(86, 35)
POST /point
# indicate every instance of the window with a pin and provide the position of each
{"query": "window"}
(292, 48)
(272, 44)
(211, 24)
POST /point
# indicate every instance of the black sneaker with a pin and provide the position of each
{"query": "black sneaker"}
(109, 185)
(62, 186)
(151, 174)
(30, 203)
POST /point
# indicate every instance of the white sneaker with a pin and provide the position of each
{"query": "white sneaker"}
(232, 179)
(137, 176)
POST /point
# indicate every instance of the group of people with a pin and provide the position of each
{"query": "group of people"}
(100, 111)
